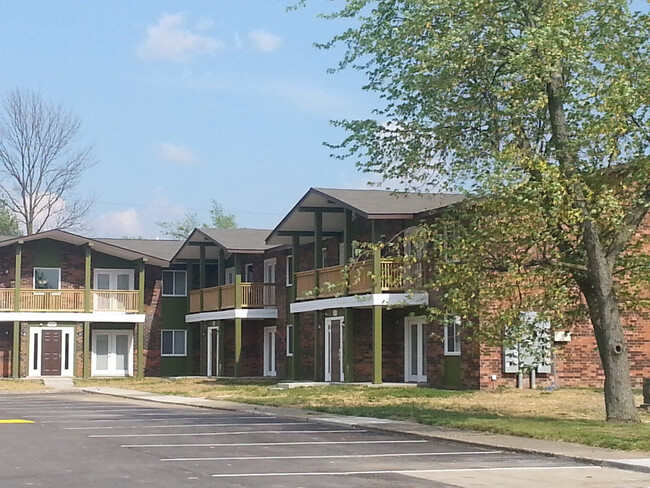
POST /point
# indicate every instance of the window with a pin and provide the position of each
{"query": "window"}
(174, 283)
(47, 278)
(289, 340)
(342, 254)
(289, 270)
(452, 336)
(230, 275)
(529, 345)
(172, 342)
(248, 273)
(323, 263)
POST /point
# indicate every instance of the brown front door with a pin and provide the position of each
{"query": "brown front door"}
(51, 353)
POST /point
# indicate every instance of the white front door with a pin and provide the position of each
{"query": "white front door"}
(415, 350)
(112, 353)
(213, 351)
(269, 277)
(334, 327)
(269, 351)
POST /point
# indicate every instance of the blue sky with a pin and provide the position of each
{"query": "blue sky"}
(188, 101)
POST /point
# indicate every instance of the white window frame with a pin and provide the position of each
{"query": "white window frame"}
(289, 269)
(44, 267)
(455, 323)
(248, 273)
(421, 339)
(289, 339)
(174, 293)
(230, 276)
(113, 272)
(173, 354)
(37, 331)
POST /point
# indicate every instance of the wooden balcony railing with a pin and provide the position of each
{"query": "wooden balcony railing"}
(69, 300)
(332, 281)
(216, 298)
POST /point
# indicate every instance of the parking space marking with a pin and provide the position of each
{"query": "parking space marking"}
(397, 471)
(178, 426)
(305, 443)
(16, 421)
(335, 456)
(244, 432)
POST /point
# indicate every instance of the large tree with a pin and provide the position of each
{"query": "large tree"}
(180, 229)
(539, 111)
(41, 163)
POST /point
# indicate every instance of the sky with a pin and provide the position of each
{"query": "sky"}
(189, 101)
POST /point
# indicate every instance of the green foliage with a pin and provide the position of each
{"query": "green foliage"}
(9, 225)
(182, 228)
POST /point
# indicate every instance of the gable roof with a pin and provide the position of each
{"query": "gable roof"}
(243, 241)
(113, 247)
(369, 204)
(160, 248)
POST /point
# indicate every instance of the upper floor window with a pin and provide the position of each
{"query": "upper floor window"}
(174, 283)
(230, 275)
(47, 278)
(113, 279)
(248, 273)
(289, 274)
(452, 336)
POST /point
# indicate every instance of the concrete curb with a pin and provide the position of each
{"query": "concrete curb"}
(629, 461)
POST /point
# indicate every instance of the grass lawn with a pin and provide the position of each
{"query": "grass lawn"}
(573, 415)
(18, 386)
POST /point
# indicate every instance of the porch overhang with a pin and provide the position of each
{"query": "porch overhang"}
(235, 313)
(109, 317)
(396, 300)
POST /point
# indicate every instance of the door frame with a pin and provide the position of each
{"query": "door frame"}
(421, 375)
(93, 352)
(270, 332)
(209, 371)
(35, 334)
(328, 347)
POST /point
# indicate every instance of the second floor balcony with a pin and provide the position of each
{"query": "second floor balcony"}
(30, 300)
(358, 279)
(228, 297)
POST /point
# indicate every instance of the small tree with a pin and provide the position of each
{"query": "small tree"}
(180, 229)
(539, 111)
(41, 162)
(9, 225)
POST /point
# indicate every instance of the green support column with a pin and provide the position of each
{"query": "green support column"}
(295, 263)
(86, 353)
(348, 345)
(15, 358)
(88, 277)
(141, 288)
(201, 273)
(238, 324)
(376, 344)
(222, 267)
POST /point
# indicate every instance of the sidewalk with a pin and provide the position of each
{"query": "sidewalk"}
(628, 460)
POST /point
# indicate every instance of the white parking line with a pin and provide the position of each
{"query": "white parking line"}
(307, 443)
(177, 426)
(244, 432)
(399, 471)
(337, 456)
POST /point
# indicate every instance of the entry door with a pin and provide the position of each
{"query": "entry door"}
(51, 353)
(213, 351)
(112, 353)
(334, 349)
(112, 280)
(269, 277)
(269, 351)
(415, 349)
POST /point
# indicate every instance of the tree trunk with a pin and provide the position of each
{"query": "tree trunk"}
(598, 289)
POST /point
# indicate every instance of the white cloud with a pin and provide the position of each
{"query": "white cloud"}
(176, 154)
(124, 223)
(171, 40)
(264, 41)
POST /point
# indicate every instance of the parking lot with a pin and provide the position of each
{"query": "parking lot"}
(78, 439)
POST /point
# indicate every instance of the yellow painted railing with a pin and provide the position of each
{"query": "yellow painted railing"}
(332, 282)
(69, 300)
(253, 295)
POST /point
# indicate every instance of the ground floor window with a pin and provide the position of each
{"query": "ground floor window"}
(173, 343)
(112, 353)
(452, 337)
